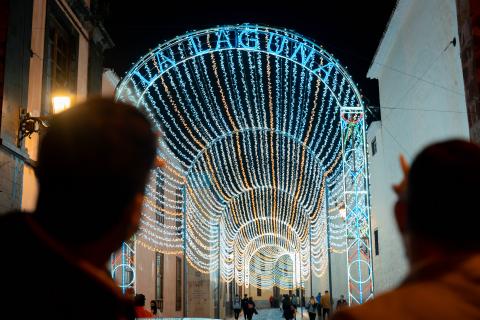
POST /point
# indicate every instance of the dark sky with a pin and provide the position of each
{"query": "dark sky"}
(350, 30)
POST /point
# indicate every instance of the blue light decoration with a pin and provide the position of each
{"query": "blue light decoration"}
(257, 124)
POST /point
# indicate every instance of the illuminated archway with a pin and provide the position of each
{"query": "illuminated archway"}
(266, 129)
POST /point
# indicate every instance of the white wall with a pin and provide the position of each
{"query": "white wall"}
(109, 82)
(422, 101)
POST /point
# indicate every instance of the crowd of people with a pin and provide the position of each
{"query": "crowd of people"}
(93, 165)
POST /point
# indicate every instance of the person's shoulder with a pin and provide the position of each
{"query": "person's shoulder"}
(16, 236)
(384, 306)
(396, 304)
(12, 218)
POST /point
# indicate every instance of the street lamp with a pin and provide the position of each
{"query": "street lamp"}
(29, 125)
(61, 103)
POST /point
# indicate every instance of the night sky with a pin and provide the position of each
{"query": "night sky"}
(350, 30)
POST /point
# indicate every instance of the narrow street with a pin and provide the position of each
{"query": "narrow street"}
(272, 314)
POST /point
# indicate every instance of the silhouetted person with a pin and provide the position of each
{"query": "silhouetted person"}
(93, 164)
(237, 306)
(326, 302)
(319, 304)
(288, 308)
(245, 306)
(251, 308)
(140, 311)
(312, 308)
(438, 216)
(341, 303)
(153, 307)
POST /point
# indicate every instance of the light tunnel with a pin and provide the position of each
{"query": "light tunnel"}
(264, 133)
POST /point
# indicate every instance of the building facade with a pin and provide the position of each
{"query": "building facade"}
(422, 100)
(47, 47)
(468, 13)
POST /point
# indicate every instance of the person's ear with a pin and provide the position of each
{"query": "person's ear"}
(401, 215)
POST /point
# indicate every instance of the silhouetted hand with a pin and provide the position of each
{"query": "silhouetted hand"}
(401, 188)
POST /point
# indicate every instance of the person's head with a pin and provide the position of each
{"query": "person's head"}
(438, 208)
(93, 164)
(326, 291)
(153, 304)
(236, 295)
(312, 299)
(342, 296)
(139, 300)
(245, 296)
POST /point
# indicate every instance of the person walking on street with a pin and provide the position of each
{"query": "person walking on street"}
(140, 311)
(244, 306)
(319, 305)
(341, 303)
(288, 308)
(295, 301)
(153, 307)
(251, 310)
(237, 306)
(326, 305)
(312, 308)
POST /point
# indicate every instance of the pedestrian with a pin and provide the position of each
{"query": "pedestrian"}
(341, 303)
(326, 304)
(319, 305)
(245, 306)
(237, 306)
(437, 215)
(281, 302)
(153, 307)
(92, 167)
(288, 308)
(271, 301)
(251, 309)
(295, 301)
(140, 311)
(312, 308)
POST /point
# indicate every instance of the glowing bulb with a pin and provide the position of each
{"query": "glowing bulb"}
(61, 103)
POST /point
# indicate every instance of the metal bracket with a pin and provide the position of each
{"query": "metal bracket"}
(30, 125)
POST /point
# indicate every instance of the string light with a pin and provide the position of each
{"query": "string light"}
(258, 125)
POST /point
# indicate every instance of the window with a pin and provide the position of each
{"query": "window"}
(61, 55)
(374, 146)
(377, 249)
(178, 285)
(159, 273)
(259, 292)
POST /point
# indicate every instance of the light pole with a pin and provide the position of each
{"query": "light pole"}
(185, 265)
(311, 268)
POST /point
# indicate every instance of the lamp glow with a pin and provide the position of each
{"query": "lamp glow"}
(61, 103)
